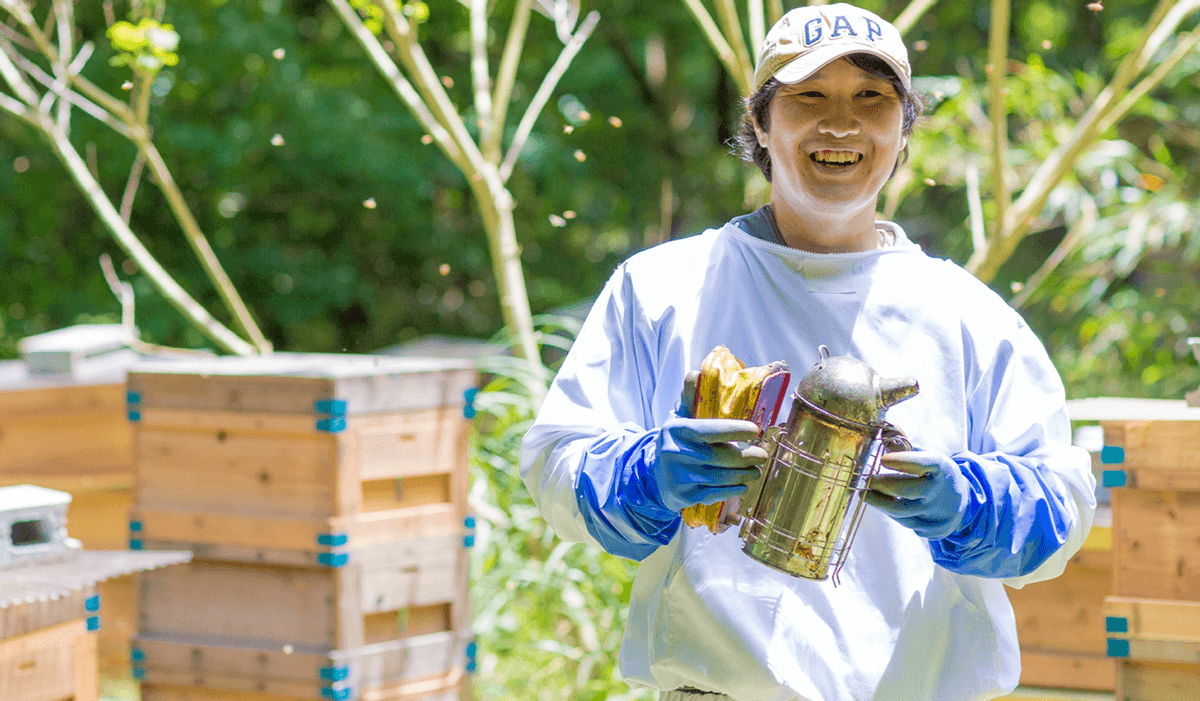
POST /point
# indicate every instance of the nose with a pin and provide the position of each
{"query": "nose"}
(840, 122)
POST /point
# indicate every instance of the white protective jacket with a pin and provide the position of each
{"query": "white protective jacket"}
(899, 627)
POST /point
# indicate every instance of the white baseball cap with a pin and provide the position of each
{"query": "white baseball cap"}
(807, 38)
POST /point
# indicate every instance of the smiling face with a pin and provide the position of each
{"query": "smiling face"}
(834, 139)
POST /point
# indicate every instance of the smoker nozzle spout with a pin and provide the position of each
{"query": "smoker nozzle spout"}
(892, 391)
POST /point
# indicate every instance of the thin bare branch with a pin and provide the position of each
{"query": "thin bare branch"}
(65, 14)
(123, 291)
(208, 259)
(16, 108)
(131, 185)
(544, 91)
(998, 112)
(732, 26)
(93, 163)
(110, 17)
(479, 69)
(403, 89)
(75, 98)
(1180, 52)
(1053, 169)
(776, 11)
(428, 83)
(506, 77)
(13, 76)
(16, 37)
(81, 58)
(975, 207)
(176, 295)
(718, 43)
(758, 23)
(915, 10)
(1079, 230)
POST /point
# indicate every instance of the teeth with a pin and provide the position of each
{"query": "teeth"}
(827, 156)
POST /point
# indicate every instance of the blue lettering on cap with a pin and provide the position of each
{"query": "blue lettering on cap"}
(809, 39)
(839, 23)
(873, 30)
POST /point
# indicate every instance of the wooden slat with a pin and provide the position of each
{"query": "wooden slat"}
(42, 665)
(1065, 614)
(1157, 619)
(1156, 681)
(53, 398)
(371, 666)
(1157, 445)
(294, 382)
(1067, 671)
(118, 624)
(66, 444)
(1156, 544)
(259, 606)
(234, 473)
(261, 538)
(406, 444)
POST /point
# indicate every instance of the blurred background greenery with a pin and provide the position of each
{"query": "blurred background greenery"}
(344, 232)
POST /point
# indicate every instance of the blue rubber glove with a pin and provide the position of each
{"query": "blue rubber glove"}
(696, 461)
(933, 497)
(633, 484)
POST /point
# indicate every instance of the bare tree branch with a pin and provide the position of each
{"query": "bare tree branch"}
(998, 112)
(506, 77)
(719, 44)
(543, 93)
(915, 10)
(479, 70)
(131, 184)
(1088, 214)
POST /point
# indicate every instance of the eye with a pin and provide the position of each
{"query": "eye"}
(810, 93)
(870, 93)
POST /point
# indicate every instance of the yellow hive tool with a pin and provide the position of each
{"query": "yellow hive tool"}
(726, 389)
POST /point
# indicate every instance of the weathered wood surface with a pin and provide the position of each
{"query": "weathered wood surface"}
(1156, 544)
(294, 382)
(299, 672)
(1139, 680)
(269, 606)
(60, 428)
(1060, 622)
(50, 664)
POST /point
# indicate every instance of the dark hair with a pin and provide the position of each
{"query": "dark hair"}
(758, 107)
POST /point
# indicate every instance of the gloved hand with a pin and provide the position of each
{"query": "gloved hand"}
(695, 460)
(932, 498)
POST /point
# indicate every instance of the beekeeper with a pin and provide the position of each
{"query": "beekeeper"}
(995, 493)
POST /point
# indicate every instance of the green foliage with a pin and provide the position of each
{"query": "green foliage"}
(148, 45)
(549, 614)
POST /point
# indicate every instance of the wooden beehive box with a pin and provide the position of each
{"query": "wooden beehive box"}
(1060, 622)
(293, 455)
(1152, 455)
(324, 498)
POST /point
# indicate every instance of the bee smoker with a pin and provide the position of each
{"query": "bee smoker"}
(801, 516)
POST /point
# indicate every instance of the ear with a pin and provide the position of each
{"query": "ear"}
(758, 130)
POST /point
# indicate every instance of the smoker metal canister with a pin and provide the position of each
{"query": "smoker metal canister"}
(801, 517)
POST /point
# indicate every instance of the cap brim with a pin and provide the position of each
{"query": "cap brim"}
(807, 64)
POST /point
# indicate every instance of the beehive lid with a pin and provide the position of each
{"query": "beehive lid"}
(1131, 409)
(306, 383)
(29, 496)
(28, 594)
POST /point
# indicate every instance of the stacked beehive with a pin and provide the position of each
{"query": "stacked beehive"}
(49, 603)
(1060, 622)
(324, 499)
(63, 426)
(1152, 618)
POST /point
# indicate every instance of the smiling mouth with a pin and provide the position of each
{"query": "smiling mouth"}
(835, 158)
